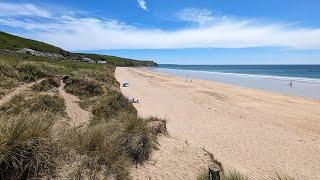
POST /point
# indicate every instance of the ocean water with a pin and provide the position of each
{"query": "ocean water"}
(275, 78)
(298, 71)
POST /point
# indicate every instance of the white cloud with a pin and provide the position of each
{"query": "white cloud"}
(143, 4)
(12, 9)
(200, 16)
(87, 33)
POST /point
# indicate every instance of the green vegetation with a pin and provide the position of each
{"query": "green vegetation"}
(117, 61)
(15, 43)
(36, 140)
(46, 85)
(27, 148)
(83, 87)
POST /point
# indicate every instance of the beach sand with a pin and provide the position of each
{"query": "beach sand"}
(252, 131)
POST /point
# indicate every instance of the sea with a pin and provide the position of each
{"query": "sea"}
(297, 80)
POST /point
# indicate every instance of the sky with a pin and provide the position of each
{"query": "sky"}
(174, 32)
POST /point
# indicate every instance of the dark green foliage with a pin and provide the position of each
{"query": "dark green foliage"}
(117, 61)
(83, 87)
(27, 149)
(15, 43)
(110, 106)
(46, 85)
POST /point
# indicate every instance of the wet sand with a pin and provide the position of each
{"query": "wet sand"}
(253, 131)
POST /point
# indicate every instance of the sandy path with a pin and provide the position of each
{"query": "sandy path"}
(17, 91)
(78, 115)
(253, 131)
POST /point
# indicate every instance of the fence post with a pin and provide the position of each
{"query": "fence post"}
(214, 172)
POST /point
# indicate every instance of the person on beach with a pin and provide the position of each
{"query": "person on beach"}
(290, 84)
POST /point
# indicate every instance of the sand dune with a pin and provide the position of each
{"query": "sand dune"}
(78, 115)
(252, 131)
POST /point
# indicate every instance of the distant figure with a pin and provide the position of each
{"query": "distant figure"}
(290, 84)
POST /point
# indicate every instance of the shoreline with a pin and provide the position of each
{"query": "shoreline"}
(255, 132)
(303, 87)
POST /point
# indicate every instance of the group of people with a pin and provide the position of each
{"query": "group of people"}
(131, 100)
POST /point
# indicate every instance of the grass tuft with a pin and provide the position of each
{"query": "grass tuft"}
(83, 87)
(27, 149)
(46, 85)
(110, 106)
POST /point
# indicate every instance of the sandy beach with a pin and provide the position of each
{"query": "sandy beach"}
(252, 131)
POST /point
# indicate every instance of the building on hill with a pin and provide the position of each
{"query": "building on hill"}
(87, 60)
(38, 53)
(28, 51)
(101, 62)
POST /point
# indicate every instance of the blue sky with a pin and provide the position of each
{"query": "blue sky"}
(179, 32)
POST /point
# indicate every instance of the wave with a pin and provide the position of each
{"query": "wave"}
(257, 76)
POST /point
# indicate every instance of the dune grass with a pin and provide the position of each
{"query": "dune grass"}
(46, 85)
(27, 149)
(115, 139)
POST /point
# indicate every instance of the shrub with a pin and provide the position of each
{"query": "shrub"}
(29, 72)
(110, 106)
(157, 126)
(83, 87)
(46, 84)
(100, 145)
(26, 146)
(136, 139)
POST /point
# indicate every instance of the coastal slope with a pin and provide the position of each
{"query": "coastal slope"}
(252, 131)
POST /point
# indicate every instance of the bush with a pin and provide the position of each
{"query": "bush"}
(110, 106)
(46, 85)
(157, 126)
(136, 139)
(26, 146)
(100, 145)
(83, 87)
(30, 72)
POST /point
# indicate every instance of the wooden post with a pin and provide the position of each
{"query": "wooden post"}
(214, 172)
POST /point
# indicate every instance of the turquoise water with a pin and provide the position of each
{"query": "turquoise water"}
(297, 71)
(305, 79)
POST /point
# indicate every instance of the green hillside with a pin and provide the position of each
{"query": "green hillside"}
(14, 43)
(118, 61)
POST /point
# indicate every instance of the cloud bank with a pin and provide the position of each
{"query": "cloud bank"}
(74, 32)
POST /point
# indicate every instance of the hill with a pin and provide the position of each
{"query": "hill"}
(118, 61)
(14, 43)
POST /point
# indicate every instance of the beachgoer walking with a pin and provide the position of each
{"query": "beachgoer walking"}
(290, 84)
